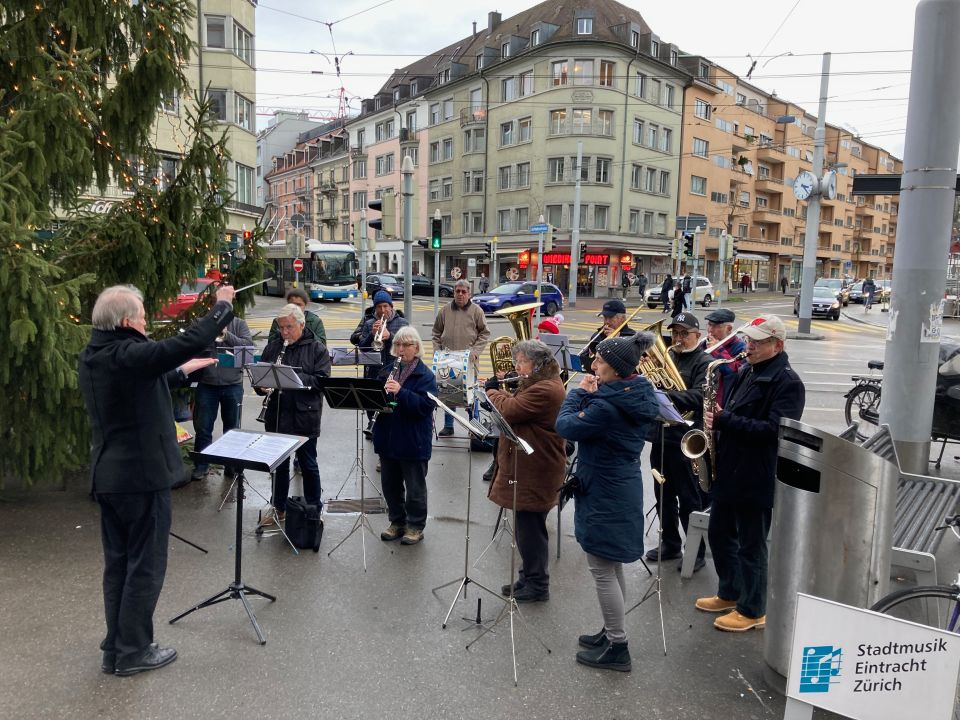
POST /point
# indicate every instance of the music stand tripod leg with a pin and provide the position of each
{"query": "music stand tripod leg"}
(236, 589)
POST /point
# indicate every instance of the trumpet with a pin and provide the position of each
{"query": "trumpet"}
(377, 343)
(262, 417)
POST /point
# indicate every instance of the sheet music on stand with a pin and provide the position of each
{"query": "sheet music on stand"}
(257, 451)
(668, 411)
(470, 426)
(505, 430)
(268, 375)
(560, 348)
(354, 355)
(238, 356)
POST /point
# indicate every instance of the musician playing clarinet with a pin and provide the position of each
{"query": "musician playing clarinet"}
(403, 438)
(296, 412)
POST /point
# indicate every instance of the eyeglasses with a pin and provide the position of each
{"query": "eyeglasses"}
(685, 333)
(404, 344)
(751, 341)
(462, 292)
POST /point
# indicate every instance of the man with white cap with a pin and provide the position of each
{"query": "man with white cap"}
(747, 432)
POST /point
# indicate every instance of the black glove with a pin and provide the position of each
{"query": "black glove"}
(491, 384)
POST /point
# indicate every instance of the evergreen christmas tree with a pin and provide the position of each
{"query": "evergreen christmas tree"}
(82, 80)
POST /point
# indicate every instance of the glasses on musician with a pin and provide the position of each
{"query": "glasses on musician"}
(404, 344)
(462, 292)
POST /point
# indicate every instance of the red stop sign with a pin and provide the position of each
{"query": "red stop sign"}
(298, 265)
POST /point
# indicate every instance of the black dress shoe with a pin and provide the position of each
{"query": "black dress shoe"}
(150, 659)
(488, 473)
(698, 565)
(108, 662)
(653, 555)
(446, 432)
(505, 589)
(529, 595)
(612, 656)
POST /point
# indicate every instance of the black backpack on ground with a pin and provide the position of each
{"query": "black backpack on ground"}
(303, 525)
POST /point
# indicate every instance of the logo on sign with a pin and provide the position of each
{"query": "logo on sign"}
(819, 668)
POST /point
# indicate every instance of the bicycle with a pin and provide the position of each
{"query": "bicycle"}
(922, 604)
(863, 402)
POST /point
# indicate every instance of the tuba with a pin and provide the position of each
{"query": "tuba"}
(657, 366)
(501, 348)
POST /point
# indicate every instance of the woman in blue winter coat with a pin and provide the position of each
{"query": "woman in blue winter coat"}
(609, 416)
(403, 438)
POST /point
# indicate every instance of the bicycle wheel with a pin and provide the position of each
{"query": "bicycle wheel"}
(863, 407)
(934, 605)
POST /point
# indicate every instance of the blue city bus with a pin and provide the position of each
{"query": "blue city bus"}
(329, 270)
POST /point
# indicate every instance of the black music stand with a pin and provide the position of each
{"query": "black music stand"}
(510, 606)
(358, 394)
(246, 451)
(474, 429)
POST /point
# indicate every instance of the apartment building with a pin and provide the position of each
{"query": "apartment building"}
(742, 150)
(503, 112)
(306, 193)
(386, 131)
(280, 135)
(224, 60)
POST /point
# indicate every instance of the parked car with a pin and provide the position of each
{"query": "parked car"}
(839, 286)
(520, 293)
(703, 293)
(825, 302)
(382, 281)
(423, 285)
(855, 294)
(190, 290)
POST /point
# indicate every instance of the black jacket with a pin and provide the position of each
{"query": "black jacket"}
(124, 380)
(236, 334)
(693, 369)
(589, 352)
(299, 410)
(748, 430)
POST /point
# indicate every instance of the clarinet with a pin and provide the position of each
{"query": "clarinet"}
(394, 374)
(262, 417)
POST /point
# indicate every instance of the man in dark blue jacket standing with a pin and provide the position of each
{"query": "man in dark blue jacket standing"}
(135, 460)
(747, 427)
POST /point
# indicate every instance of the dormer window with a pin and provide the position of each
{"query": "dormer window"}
(634, 38)
(413, 88)
(479, 61)
(505, 50)
(535, 38)
(376, 103)
(655, 48)
(584, 26)
(674, 57)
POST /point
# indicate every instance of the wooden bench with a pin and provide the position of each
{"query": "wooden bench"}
(922, 504)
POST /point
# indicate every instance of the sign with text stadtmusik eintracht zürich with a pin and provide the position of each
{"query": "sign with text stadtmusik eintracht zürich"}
(870, 666)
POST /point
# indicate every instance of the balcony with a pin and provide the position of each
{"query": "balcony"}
(358, 152)
(771, 153)
(328, 188)
(473, 116)
(304, 191)
(768, 215)
(408, 136)
(769, 183)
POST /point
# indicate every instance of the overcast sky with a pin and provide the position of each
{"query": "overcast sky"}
(870, 42)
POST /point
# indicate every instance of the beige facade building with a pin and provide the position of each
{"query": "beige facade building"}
(224, 31)
(742, 150)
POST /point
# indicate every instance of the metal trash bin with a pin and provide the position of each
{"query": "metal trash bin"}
(830, 534)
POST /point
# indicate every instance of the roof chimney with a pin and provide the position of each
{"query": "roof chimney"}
(474, 28)
(493, 19)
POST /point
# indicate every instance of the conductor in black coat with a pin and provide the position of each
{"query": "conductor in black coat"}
(134, 460)
(296, 412)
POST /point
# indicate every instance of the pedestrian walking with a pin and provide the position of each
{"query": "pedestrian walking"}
(783, 284)
(665, 292)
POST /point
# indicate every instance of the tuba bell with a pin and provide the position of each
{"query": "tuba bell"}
(657, 366)
(501, 348)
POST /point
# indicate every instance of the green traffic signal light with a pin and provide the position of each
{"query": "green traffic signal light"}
(436, 239)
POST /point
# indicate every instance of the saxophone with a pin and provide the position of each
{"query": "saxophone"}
(262, 417)
(697, 443)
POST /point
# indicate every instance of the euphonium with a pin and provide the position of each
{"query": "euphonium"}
(696, 443)
(262, 417)
(501, 348)
(657, 366)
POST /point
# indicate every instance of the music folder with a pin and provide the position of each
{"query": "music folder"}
(251, 450)
(268, 375)
(470, 426)
(668, 411)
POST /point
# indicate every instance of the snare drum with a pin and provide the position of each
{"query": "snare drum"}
(456, 377)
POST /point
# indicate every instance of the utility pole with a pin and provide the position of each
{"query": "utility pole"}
(363, 261)
(812, 236)
(575, 233)
(406, 175)
(928, 192)
(436, 272)
(540, 270)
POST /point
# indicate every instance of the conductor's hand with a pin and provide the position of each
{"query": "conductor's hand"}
(226, 293)
(391, 386)
(195, 364)
(588, 383)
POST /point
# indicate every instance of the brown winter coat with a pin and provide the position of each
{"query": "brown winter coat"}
(532, 412)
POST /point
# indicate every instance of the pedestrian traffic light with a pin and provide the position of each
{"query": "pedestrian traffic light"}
(733, 247)
(488, 248)
(247, 234)
(436, 233)
(583, 251)
(424, 243)
(549, 241)
(688, 244)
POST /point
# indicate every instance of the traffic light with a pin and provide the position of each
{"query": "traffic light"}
(386, 223)
(688, 244)
(548, 241)
(733, 247)
(436, 233)
(488, 248)
(583, 251)
(424, 243)
(247, 234)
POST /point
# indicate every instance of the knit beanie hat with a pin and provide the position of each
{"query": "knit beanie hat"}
(382, 296)
(623, 353)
